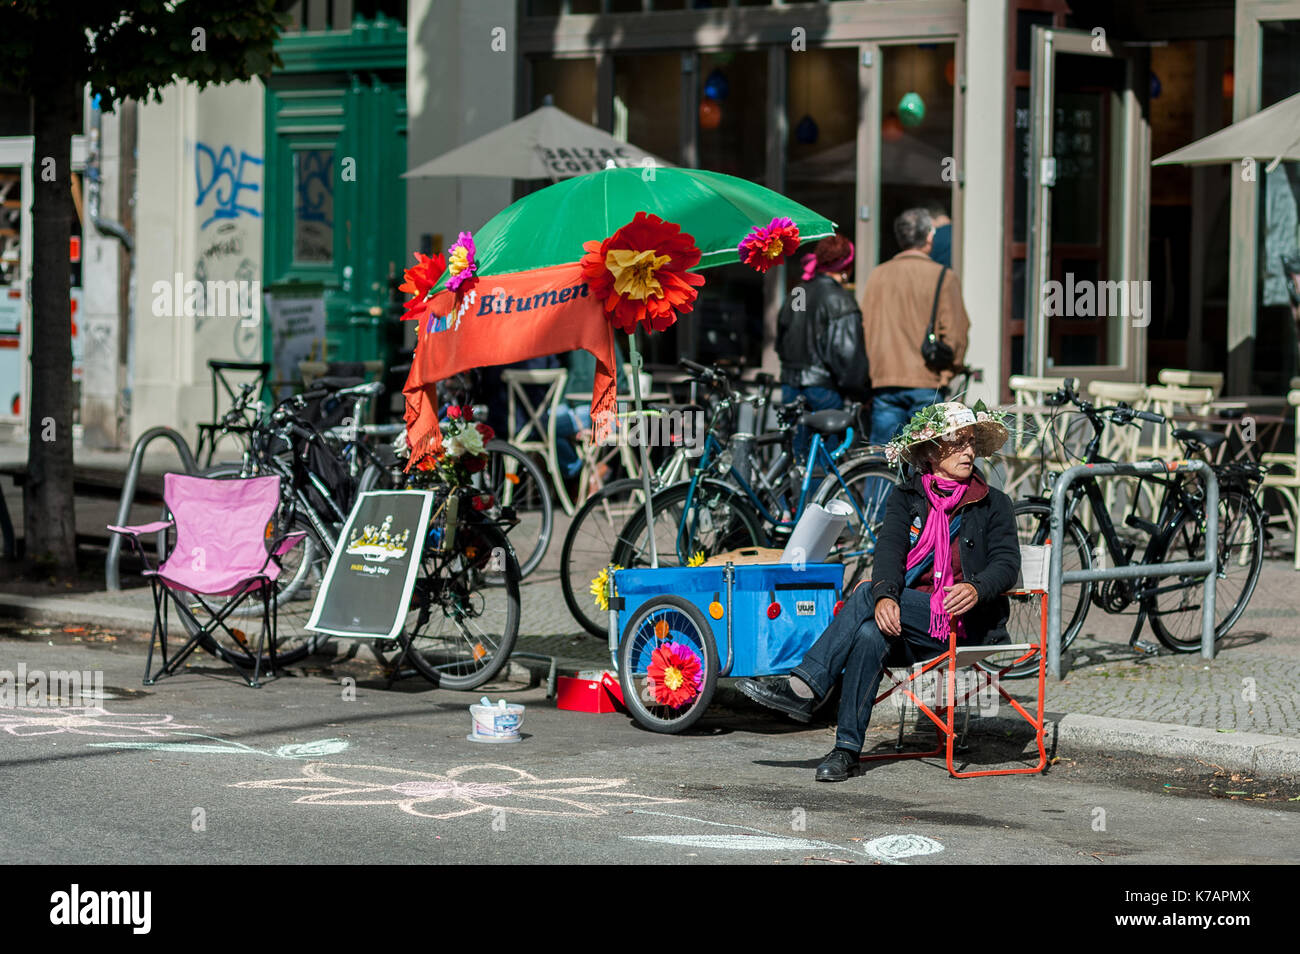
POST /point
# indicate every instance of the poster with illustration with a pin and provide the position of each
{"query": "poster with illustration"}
(371, 575)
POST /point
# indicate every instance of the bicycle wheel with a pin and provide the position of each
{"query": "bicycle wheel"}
(466, 608)
(515, 480)
(588, 545)
(719, 519)
(668, 664)
(1033, 527)
(865, 487)
(1175, 605)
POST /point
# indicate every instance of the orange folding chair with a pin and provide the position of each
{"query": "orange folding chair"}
(915, 684)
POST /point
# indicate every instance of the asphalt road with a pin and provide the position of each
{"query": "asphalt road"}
(310, 768)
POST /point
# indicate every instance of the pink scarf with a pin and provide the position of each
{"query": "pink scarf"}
(935, 538)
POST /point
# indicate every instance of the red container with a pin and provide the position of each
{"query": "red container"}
(585, 694)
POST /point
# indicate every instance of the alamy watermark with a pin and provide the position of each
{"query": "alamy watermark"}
(57, 687)
(674, 427)
(1095, 299)
(213, 299)
(970, 687)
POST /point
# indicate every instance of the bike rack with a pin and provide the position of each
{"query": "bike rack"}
(111, 579)
(1056, 577)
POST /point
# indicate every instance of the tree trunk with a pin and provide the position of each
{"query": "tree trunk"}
(49, 523)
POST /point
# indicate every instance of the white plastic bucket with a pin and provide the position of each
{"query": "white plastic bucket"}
(495, 723)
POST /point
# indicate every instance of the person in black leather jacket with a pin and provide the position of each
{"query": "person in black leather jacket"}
(947, 553)
(819, 334)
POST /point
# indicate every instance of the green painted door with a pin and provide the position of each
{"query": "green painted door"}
(335, 203)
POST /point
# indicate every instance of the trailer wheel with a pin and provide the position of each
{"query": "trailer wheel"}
(668, 664)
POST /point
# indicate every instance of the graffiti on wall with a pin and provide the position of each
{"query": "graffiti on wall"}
(223, 179)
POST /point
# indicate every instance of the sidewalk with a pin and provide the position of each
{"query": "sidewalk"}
(1240, 712)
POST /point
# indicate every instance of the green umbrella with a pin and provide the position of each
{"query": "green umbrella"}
(549, 226)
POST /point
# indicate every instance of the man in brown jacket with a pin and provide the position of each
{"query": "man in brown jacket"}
(896, 305)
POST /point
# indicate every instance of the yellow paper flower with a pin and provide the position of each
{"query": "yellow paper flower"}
(697, 559)
(634, 272)
(599, 587)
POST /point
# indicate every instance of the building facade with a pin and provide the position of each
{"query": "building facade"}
(1033, 123)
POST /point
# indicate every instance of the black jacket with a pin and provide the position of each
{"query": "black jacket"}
(820, 344)
(990, 553)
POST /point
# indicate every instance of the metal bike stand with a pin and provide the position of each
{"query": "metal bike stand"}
(1057, 578)
(111, 580)
(551, 671)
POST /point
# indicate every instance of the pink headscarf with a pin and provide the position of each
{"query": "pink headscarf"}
(811, 268)
(935, 537)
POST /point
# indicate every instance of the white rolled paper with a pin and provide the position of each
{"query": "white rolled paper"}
(816, 531)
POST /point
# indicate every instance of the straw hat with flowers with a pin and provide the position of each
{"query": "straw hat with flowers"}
(941, 422)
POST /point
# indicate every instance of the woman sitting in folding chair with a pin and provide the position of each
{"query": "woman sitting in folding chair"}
(946, 554)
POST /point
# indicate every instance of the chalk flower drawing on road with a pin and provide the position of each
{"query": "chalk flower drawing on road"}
(87, 720)
(463, 790)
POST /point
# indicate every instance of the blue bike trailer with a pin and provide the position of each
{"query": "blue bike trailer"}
(732, 620)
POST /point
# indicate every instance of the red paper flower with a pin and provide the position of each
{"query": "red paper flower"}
(768, 245)
(421, 277)
(674, 674)
(640, 273)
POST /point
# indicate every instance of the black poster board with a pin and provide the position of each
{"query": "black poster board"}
(368, 585)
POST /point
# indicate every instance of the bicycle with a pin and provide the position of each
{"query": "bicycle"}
(1173, 604)
(719, 495)
(464, 616)
(511, 476)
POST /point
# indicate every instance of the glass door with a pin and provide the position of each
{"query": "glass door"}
(1087, 297)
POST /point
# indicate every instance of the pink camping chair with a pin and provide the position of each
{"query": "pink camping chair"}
(221, 551)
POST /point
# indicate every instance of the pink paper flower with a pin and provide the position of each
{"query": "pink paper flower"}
(460, 261)
(769, 245)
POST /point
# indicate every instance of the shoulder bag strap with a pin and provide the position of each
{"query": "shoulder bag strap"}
(934, 308)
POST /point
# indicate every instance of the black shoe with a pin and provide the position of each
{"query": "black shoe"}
(778, 696)
(838, 766)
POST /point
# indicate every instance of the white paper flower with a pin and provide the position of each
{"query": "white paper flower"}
(471, 441)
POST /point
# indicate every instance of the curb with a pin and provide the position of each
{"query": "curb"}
(66, 609)
(1251, 752)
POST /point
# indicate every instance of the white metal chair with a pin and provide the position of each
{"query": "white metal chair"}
(1171, 400)
(533, 430)
(1286, 482)
(1177, 377)
(1028, 432)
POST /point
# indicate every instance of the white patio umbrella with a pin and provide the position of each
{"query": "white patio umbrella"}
(548, 143)
(1272, 133)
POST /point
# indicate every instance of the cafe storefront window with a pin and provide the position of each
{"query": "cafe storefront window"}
(916, 145)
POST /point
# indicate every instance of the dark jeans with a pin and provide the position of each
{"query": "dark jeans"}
(853, 644)
(891, 408)
(819, 399)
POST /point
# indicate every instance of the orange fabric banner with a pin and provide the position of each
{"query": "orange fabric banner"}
(501, 319)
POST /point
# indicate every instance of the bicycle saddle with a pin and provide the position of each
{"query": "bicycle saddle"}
(832, 421)
(1211, 439)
